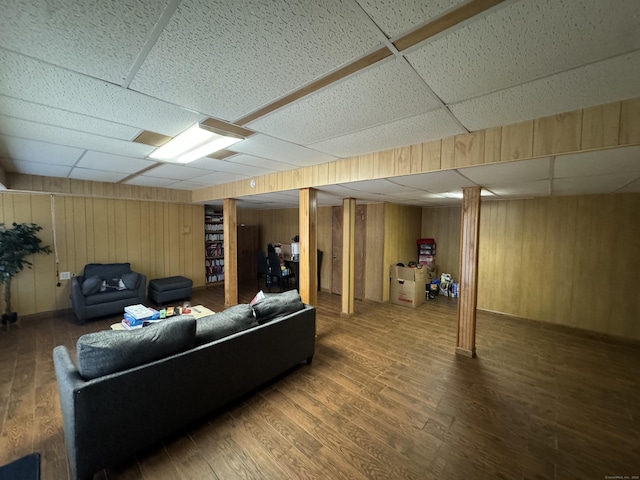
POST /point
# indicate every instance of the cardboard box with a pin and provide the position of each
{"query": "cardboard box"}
(407, 286)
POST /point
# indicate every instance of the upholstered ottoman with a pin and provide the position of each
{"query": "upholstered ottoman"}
(165, 290)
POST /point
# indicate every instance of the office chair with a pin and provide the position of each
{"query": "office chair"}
(263, 269)
(276, 272)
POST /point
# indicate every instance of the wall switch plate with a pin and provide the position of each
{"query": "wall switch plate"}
(65, 276)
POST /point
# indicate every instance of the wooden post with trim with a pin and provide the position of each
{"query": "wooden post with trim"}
(308, 266)
(230, 237)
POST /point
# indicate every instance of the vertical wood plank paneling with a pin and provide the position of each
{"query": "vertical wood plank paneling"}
(23, 284)
(447, 153)
(600, 126)
(100, 230)
(120, 227)
(79, 231)
(517, 141)
(492, 144)
(630, 122)
(145, 236)
(383, 164)
(469, 249)
(374, 254)
(431, 156)
(308, 267)
(324, 244)
(557, 133)
(62, 293)
(111, 226)
(230, 252)
(43, 271)
(469, 149)
(348, 255)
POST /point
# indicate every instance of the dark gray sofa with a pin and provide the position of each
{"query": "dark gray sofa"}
(109, 418)
(88, 301)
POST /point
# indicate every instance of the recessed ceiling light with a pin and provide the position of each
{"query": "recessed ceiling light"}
(194, 143)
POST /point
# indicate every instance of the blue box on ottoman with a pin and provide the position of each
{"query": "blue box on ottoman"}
(165, 290)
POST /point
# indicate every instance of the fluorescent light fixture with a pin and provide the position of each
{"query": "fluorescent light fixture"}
(194, 143)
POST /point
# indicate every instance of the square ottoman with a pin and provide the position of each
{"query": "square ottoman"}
(168, 289)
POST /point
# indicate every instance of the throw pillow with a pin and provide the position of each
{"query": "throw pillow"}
(231, 320)
(110, 351)
(131, 280)
(274, 305)
(91, 286)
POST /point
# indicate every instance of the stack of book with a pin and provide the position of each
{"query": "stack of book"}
(135, 316)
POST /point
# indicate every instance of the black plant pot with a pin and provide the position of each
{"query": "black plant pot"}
(9, 318)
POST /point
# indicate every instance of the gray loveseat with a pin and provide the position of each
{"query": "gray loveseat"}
(105, 289)
(118, 397)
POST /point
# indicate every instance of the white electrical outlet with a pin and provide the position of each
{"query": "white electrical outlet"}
(65, 276)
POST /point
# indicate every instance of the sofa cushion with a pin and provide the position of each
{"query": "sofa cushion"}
(110, 351)
(106, 270)
(131, 280)
(274, 305)
(91, 285)
(231, 320)
(112, 296)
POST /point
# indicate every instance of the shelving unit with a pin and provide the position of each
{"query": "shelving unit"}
(214, 246)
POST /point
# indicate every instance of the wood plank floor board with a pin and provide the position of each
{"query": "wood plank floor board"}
(385, 397)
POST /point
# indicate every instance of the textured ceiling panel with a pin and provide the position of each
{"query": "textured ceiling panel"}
(633, 187)
(281, 151)
(61, 136)
(526, 40)
(408, 131)
(35, 168)
(590, 185)
(54, 116)
(113, 163)
(381, 94)
(598, 163)
(512, 172)
(177, 172)
(187, 185)
(28, 79)
(227, 58)
(231, 167)
(259, 163)
(218, 178)
(398, 16)
(436, 182)
(143, 181)
(595, 84)
(380, 186)
(33, 151)
(539, 188)
(96, 175)
(96, 37)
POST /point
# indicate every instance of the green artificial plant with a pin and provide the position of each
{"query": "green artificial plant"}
(16, 244)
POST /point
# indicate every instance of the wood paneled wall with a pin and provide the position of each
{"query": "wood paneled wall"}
(159, 239)
(567, 260)
(402, 226)
(443, 225)
(377, 271)
(35, 183)
(605, 126)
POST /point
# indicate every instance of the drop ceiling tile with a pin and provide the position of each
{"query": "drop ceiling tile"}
(399, 16)
(96, 175)
(538, 188)
(591, 185)
(218, 178)
(379, 186)
(38, 82)
(596, 84)
(13, 107)
(176, 172)
(98, 38)
(633, 187)
(143, 181)
(408, 131)
(259, 163)
(35, 168)
(383, 93)
(113, 163)
(525, 41)
(70, 138)
(288, 42)
(227, 166)
(34, 151)
(435, 182)
(509, 172)
(187, 185)
(616, 160)
(281, 151)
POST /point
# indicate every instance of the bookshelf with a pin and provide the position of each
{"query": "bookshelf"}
(213, 246)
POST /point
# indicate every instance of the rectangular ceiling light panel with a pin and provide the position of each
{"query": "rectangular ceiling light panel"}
(192, 144)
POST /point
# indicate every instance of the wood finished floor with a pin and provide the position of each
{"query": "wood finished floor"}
(385, 397)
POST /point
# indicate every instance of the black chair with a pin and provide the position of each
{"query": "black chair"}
(275, 271)
(263, 269)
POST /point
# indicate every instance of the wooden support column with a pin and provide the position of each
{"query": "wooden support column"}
(308, 225)
(348, 255)
(468, 287)
(230, 252)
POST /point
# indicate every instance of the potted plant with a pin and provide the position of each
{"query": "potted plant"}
(16, 244)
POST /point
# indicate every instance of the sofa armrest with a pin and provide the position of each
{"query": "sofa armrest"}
(77, 297)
